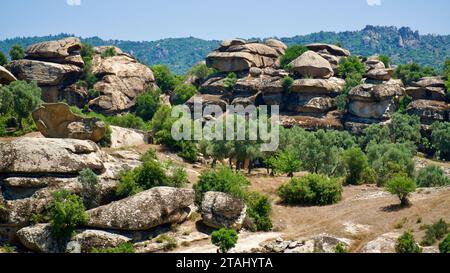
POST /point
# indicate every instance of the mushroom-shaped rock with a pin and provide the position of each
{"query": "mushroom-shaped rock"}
(6, 77)
(222, 210)
(62, 51)
(56, 120)
(429, 110)
(311, 64)
(332, 49)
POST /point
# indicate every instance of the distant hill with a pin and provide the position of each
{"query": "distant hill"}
(402, 44)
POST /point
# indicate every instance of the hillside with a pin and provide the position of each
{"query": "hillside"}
(402, 44)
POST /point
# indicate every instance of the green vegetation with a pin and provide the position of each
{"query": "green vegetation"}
(91, 188)
(67, 213)
(401, 186)
(123, 248)
(183, 93)
(340, 248)
(385, 59)
(201, 72)
(16, 52)
(444, 246)
(224, 239)
(312, 189)
(87, 53)
(286, 162)
(350, 66)
(287, 84)
(259, 210)
(440, 139)
(7, 248)
(356, 163)
(292, 53)
(164, 78)
(169, 241)
(151, 173)
(147, 104)
(407, 244)
(230, 81)
(109, 52)
(432, 176)
(412, 72)
(435, 232)
(3, 59)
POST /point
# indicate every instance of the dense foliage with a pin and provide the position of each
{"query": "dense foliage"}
(407, 244)
(432, 176)
(224, 239)
(435, 232)
(412, 72)
(444, 246)
(292, 53)
(3, 59)
(91, 188)
(16, 52)
(401, 186)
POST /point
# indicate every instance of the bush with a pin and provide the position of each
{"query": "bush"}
(221, 179)
(401, 186)
(3, 59)
(123, 248)
(434, 232)
(259, 210)
(91, 188)
(312, 189)
(385, 59)
(287, 84)
(147, 104)
(127, 121)
(412, 72)
(201, 72)
(287, 162)
(16, 52)
(230, 81)
(67, 213)
(356, 163)
(292, 53)
(340, 248)
(164, 78)
(350, 67)
(225, 239)
(168, 241)
(432, 176)
(183, 93)
(368, 176)
(444, 246)
(407, 244)
(440, 139)
(110, 52)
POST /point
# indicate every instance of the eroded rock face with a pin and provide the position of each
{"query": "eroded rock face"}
(6, 77)
(56, 120)
(429, 110)
(313, 65)
(124, 137)
(45, 155)
(122, 79)
(85, 241)
(65, 51)
(331, 49)
(377, 70)
(239, 55)
(220, 210)
(145, 210)
(39, 239)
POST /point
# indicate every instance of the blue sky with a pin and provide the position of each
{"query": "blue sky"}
(212, 19)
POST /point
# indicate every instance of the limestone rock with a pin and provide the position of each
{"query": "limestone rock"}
(6, 77)
(222, 210)
(313, 65)
(145, 210)
(56, 120)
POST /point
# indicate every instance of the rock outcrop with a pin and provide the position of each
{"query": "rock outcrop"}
(145, 210)
(220, 210)
(376, 70)
(5, 76)
(56, 120)
(311, 64)
(125, 137)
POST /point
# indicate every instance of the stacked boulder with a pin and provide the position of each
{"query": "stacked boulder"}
(430, 100)
(6, 77)
(376, 99)
(54, 65)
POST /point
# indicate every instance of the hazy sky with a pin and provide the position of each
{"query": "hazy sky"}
(214, 19)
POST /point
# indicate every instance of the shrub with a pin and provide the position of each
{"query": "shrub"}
(412, 72)
(221, 179)
(434, 232)
(312, 189)
(440, 139)
(385, 59)
(91, 188)
(350, 67)
(183, 93)
(225, 239)
(67, 213)
(356, 163)
(287, 162)
(287, 84)
(110, 52)
(259, 210)
(401, 186)
(444, 246)
(147, 104)
(368, 176)
(127, 121)
(407, 244)
(123, 248)
(201, 72)
(230, 81)
(164, 78)
(16, 52)
(292, 53)
(169, 242)
(432, 176)
(3, 59)
(340, 248)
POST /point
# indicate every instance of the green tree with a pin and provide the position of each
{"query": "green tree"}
(434, 232)
(404, 128)
(127, 121)
(67, 213)
(440, 139)
(432, 176)
(201, 72)
(401, 186)
(164, 78)
(16, 52)
(407, 244)
(351, 66)
(259, 210)
(385, 59)
(292, 53)
(224, 239)
(91, 188)
(412, 72)
(444, 246)
(355, 162)
(3, 59)
(183, 92)
(286, 162)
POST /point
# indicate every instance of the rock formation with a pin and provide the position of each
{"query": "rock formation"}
(56, 120)
(220, 210)
(5, 76)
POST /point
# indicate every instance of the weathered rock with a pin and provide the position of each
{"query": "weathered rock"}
(332, 49)
(381, 74)
(331, 86)
(145, 210)
(222, 210)
(45, 73)
(6, 77)
(325, 243)
(310, 104)
(430, 82)
(313, 65)
(374, 62)
(429, 110)
(39, 239)
(56, 120)
(122, 79)
(75, 94)
(238, 55)
(49, 156)
(124, 137)
(383, 244)
(279, 46)
(427, 93)
(87, 240)
(66, 51)
(328, 121)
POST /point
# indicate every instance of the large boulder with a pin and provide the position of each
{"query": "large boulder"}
(331, 49)
(85, 241)
(49, 156)
(331, 86)
(122, 80)
(301, 103)
(6, 77)
(220, 210)
(125, 137)
(380, 74)
(385, 243)
(66, 51)
(56, 120)
(428, 88)
(313, 65)
(429, 110)
(39, 238)
(239, 55)
(145, 210)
